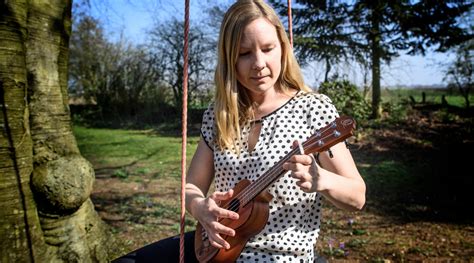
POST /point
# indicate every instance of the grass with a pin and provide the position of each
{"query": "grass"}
(133, 152)
(138, 182)
(432, 96)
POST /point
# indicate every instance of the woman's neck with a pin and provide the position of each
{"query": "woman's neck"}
(264, 104)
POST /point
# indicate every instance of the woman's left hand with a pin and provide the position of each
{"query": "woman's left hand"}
(305, 169)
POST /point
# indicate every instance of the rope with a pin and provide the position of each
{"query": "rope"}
(290, 23)
(184, 131)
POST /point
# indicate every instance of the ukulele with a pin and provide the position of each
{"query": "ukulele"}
(251, 199)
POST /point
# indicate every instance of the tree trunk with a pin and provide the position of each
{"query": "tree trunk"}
(20, 228)
(375, 48)
(45, 210)
(328, 69)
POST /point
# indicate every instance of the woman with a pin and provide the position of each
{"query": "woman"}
(261, 107)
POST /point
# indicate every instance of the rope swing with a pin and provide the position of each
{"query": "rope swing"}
(184, 130)
(185, 120)
(290, 24)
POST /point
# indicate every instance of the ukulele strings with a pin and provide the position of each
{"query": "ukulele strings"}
(248, 193)
(274, 172)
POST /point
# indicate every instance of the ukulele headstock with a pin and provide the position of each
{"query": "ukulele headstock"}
(333, 133)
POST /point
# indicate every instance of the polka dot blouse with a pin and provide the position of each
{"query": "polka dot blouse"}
(294, 220)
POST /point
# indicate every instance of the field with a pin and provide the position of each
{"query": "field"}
(418, 193)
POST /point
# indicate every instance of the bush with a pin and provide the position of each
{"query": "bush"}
(347, 98)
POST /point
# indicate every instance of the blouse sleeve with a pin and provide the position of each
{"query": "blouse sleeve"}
(207, 127)
(322, 111)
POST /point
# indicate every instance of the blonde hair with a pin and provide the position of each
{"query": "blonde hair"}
(233, 106)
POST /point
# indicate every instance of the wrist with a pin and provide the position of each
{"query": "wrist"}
(195, 203)
(324, 181)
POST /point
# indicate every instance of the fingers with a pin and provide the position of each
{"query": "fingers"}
(305, 186)
(305, 180)
(305, 169)
(222, 196)
(290, 166)
(298, 162)
(221, 212)
(301, 158)
(224, 213)
(215, 232)
(301, 176)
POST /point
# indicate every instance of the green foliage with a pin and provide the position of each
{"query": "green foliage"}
(445, 116)
(347, 98)
(121, 173)
(460, 73)
(359, 232)
(356, 243)
(396, 111)
(388, 174)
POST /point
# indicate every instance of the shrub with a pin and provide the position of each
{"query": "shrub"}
(347, 98)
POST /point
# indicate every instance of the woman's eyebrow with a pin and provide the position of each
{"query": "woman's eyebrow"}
(264, 45)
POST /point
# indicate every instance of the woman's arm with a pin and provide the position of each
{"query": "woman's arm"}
(206, 210)
(339, 179)
(200, 175)
(336, 178)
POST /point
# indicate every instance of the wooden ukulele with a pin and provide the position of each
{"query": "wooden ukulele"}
(251, 200)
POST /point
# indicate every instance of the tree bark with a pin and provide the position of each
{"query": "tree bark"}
(375, 48)
(45, 183)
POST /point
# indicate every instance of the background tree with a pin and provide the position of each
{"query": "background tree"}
(45, 210)
(90, 57)
(460, 74)
(339, 30)
(166, 47)
(123, 79)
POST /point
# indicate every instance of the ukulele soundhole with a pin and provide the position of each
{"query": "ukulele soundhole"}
(234, 205)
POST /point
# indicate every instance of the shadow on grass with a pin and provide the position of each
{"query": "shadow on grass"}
(420, 171)
(108, 171)
(137, 208)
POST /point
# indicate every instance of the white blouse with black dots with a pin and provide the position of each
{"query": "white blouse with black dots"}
(294, 219)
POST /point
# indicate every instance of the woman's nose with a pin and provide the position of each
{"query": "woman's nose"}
(259, 62)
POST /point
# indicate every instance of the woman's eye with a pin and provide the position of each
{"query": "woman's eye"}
(244, 54)
(266, 50)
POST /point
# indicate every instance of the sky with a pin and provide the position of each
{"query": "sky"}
(133, 18)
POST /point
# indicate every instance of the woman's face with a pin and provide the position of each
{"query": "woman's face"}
(259, 62)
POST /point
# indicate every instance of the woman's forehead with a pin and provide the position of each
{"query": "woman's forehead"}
(259, 31)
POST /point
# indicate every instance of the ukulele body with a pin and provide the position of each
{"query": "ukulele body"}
(252, 219)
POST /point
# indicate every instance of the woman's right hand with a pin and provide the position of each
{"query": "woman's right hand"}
(208, 212)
